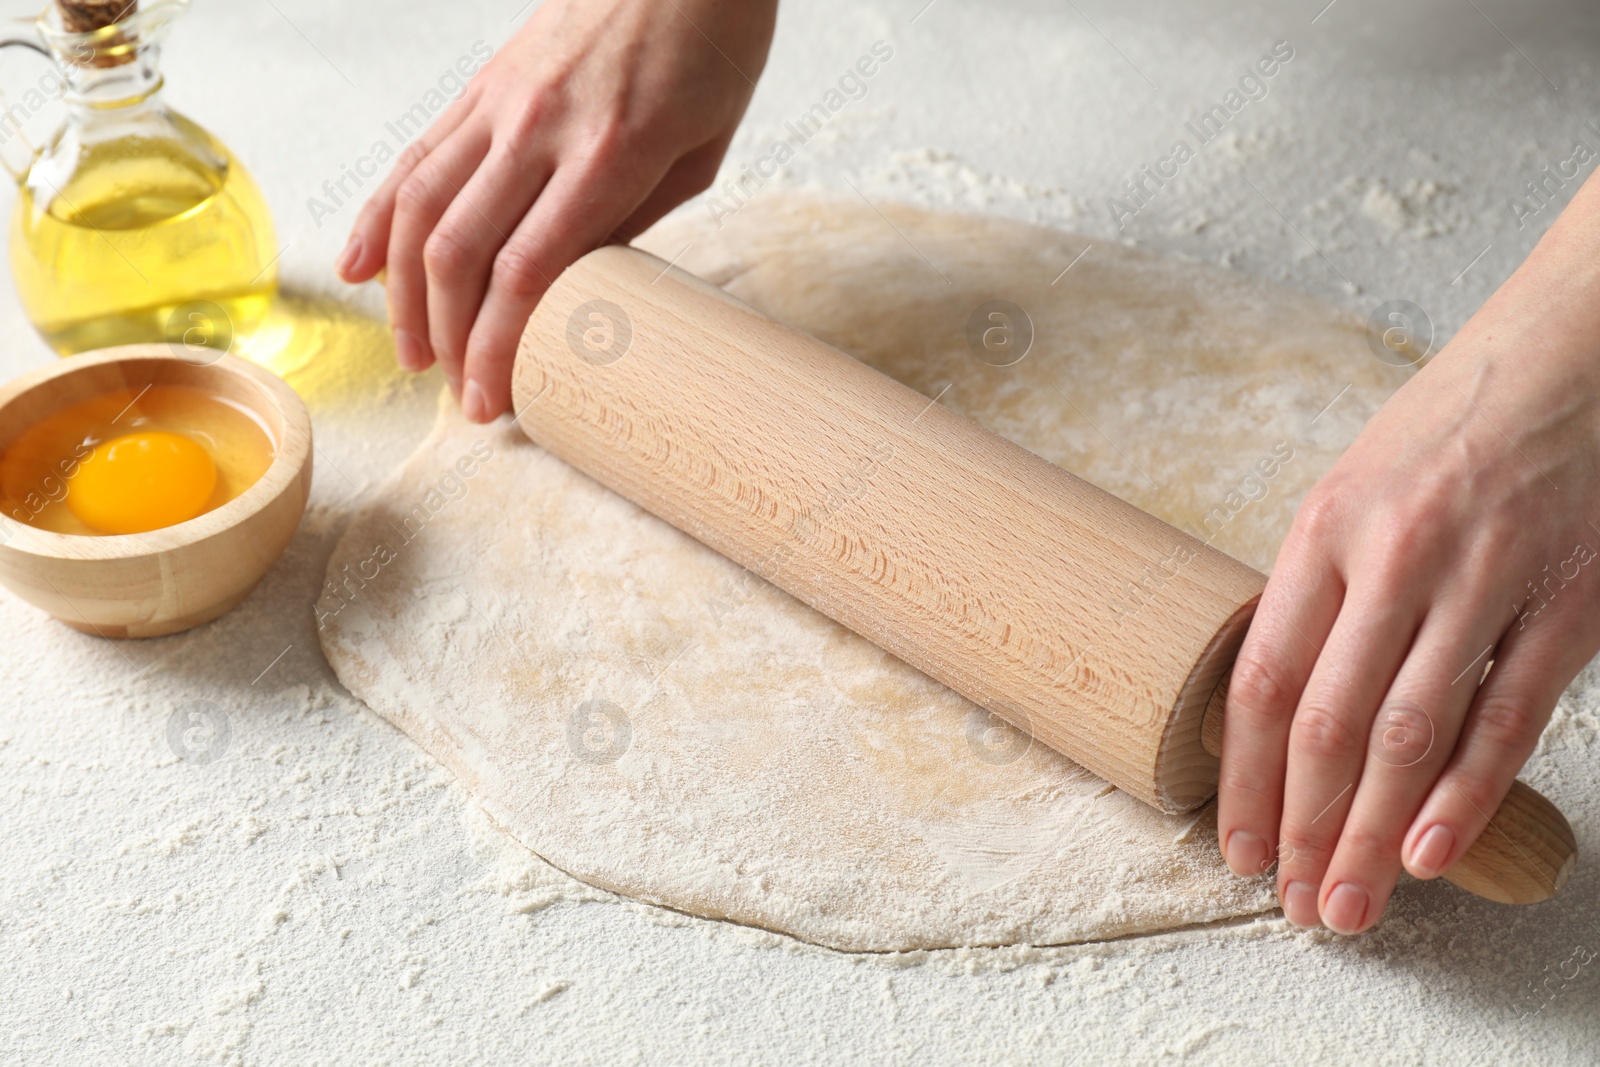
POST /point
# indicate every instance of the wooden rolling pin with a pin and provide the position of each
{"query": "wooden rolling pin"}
(1101, 630)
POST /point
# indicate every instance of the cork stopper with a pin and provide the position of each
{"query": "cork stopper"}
(85, 16)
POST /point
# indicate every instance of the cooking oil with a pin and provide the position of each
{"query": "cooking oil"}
(133, 224)
(146, 241)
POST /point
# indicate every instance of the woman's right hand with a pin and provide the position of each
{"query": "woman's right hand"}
(596, 119)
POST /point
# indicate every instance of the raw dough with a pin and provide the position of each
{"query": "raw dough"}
(647, 717)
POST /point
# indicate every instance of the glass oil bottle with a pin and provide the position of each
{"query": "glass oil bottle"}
(133, 224)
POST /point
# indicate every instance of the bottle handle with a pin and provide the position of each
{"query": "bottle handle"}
(21, 33)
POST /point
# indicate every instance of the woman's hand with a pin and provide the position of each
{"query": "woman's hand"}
(1460, 528)
(596, 119)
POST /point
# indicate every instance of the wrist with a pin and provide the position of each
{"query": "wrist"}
(1545, 320)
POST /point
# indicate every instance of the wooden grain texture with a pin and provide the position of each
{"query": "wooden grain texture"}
(172, 579)
(1103, 631)
(1525, 855)
(1076, 616)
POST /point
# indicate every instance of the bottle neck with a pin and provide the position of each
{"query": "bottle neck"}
(135, 77)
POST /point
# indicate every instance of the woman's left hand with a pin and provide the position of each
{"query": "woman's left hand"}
(1462, 527)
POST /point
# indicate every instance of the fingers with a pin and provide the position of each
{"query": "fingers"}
(1411, 737)
(1328, 739)
(368, 248)
(421, 201)
(460, 252)
(477, 234)
(582, 205)
(1297, 610)
(1532, 667)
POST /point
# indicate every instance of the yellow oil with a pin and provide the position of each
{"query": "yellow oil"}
(147, 241)
(44, 465)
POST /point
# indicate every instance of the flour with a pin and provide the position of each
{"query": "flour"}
(325, 892)
(648, 717)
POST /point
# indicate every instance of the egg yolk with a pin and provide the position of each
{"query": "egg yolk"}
(141, 482)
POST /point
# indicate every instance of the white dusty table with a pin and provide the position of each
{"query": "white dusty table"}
(321, 891)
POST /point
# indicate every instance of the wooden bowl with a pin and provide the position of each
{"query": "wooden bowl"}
(167, 580)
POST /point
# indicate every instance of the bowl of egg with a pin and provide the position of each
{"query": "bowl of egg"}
(143, 490)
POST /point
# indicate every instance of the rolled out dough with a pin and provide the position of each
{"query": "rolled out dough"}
(651, 719)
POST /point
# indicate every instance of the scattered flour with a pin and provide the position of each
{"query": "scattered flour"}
(323, 892)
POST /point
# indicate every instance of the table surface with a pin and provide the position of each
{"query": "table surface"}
(323, 891)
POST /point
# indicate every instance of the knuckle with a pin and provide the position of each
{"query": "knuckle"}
(1368, 842)
(1320, 732)
(1504, 722)
(517, 272)
(609, 142)
(534, 114)
(1402, 734)
(1481, 794)
(444, 255)
(411, 157)
(1303, 851)
(619, 141)
(1406, 539)
(1246, 786)
(1395, 569)
(417, 195)
(1260, 689)
(468, 101)
(1319, 517)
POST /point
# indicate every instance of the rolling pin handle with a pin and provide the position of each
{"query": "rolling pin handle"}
(1524, 856)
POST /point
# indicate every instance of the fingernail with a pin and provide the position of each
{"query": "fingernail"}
(1247, 853)
(1300, 904)
(1347, 906)
(409, 351)
(1432, 851)
(455, 387)
(349, 257)
(474, 405)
